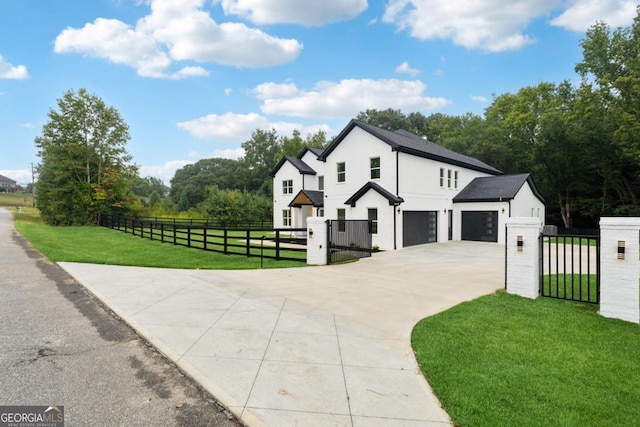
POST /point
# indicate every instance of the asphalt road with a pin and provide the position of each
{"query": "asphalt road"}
(59, 346)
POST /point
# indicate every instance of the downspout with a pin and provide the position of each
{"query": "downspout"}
(395, 219)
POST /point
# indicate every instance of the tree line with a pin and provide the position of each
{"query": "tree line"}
(581, 144)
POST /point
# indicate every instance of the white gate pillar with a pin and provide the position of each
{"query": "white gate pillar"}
(523, 256)
(316, 241)
(620, 268)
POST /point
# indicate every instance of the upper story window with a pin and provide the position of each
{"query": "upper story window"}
(448, 178)
(321, 183)
(455, 179)
(342, 172)
(287, 186)
(374, 164)
(441, 177)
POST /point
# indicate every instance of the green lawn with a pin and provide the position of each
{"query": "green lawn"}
(99, 245)
(584, 241)
(503, 360)
(15, 199)
(583, 287)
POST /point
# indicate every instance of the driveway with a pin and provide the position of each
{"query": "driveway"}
(308, 346)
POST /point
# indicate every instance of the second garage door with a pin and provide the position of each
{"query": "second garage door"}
(419, 227)
(480, 226)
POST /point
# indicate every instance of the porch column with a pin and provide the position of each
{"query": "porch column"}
(316, 241)
(620, 268)
(523, 256)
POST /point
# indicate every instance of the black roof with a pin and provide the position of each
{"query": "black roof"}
(393, 199)
(5, 179)
(302, 167)
(406, 142)
(316, 197)
(316, 151)
(496, 188)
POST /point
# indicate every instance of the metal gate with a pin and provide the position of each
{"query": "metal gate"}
(570, 266)
(348, 239)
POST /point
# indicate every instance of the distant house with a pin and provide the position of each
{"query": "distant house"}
(7, 184)
(413, 190)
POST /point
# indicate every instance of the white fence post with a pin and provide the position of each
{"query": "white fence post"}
(523, 256)
(316, 241)
(620, 268)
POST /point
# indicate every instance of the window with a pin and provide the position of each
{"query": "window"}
(374, 163)
(455, 179)
(320, 211)
(286, 218)
(342, 226)
(287, 186)
(372, 215)
(321, 183)
(441, 177)
(342, 172)
(448, 178)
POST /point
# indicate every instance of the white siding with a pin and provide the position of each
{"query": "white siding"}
(526, 204)
(281, 201)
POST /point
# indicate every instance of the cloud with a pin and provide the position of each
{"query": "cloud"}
(312, 13)
(230, 153)
(489, 25)
(176, 30)
(584, 13)
(439, 72)
(9, 71)
(231, 127)
(404, 68)
(345, 98)
(164, 172)
(479, 98)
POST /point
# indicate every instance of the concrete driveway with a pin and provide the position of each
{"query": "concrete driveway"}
(306, 346)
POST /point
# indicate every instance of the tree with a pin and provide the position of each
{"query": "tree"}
(84, 169)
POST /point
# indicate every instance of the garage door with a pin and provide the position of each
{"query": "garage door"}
(419, 227)
(480, 226)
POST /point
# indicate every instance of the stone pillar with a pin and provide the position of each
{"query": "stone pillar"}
(316, 241)
(620, 268)
(523, 256)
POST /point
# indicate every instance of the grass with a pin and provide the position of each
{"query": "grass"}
(15, 199)
(99, 245)
(504, 360)
(583, 287)
(584, 241)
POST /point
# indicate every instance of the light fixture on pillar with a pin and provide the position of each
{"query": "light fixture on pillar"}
(621, 249)
(520, 243)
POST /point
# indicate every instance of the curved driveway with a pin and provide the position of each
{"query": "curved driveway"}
(305, 346)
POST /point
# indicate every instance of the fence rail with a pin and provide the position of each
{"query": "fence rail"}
(248, 239)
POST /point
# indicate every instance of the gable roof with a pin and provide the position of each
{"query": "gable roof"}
(496, 189)
(406, 142)
(302, 167)
(308, 197)
(5, 179)
(316, 151)
(393, 199)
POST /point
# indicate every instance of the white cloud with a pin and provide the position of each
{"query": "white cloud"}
(346, 98)
(309, 12)
(479, 98)
(582, 14)
(176, 30)
(230, 153)
(489, 25)
(27, 125)
(164, 172)
(10, 71)
(405, 68)
(228, 91)
(231, 127)
(439, 72)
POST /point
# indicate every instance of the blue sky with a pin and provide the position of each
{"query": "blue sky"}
(194, 78)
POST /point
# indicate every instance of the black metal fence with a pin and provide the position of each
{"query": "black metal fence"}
(570, 265)
(249, 239)
(348, 239)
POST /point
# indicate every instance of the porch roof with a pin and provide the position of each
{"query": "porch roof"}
(308, 198)
(393, 199)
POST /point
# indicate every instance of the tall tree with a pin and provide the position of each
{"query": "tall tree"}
(84, 169)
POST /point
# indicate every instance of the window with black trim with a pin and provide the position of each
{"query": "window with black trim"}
(374, 164)
(372, 215)
(342, 226)
(342, 172)
(286, 217)
(441, 177)
(321, 182)
(455, 179)
(287, 186)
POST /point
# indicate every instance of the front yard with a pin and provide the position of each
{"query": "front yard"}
(503, 360)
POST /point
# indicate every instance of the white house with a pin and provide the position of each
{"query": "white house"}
(413, 191)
